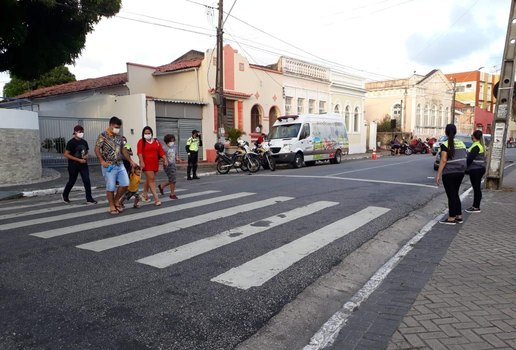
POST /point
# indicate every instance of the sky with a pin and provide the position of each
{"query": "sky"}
(377, 39)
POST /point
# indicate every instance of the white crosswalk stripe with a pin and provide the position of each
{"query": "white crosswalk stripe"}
(77, 198)
(63, 207)
(258, 271)
(188, 251)
(137, 216)
(75, 215)
(135, 236)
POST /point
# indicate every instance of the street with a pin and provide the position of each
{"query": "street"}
(206, 271)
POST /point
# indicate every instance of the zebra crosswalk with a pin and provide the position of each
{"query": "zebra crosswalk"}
(253, 273)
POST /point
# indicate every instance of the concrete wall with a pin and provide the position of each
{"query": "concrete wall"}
(20, 159)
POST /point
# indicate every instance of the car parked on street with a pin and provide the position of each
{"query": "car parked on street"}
(437, 144)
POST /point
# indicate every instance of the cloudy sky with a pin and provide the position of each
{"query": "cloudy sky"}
(380, 39)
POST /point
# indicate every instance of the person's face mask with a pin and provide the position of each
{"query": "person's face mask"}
(116, 131)
(170, 144)
(147, 136)
(79, 135)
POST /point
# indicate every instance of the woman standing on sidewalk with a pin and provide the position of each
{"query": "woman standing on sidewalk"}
(476, 169)
(149, 151)
(451, 169)
(76, 152)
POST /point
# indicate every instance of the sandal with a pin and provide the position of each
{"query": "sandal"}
(113, 212)
(146, 200)
(172, 196)
(161, 190)
(119, 209)
(158, 203)
(136, 206)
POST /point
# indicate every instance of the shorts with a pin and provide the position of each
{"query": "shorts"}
(170, 170)
(130, 194)
(117, 174)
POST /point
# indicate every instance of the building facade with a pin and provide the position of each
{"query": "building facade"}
(179, 97)
(421, 105)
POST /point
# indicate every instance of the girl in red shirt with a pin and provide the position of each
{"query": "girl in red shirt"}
(149, 151)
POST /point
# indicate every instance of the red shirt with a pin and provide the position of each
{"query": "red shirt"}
(150, 154)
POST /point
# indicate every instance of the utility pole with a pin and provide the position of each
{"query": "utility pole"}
(219, 80)
(503, 111)
(453, 101)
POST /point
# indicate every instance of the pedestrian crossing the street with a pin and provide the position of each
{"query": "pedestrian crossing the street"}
(253, 273)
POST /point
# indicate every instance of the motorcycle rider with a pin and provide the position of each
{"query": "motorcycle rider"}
(395, 146)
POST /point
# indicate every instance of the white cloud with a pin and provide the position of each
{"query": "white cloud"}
(371, 35)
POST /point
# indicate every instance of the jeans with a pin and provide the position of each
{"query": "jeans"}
(74, 169)
(475, 177)
(117, 173)
(451, 183)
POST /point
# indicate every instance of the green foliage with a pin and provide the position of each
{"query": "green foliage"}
(36, 36)
(384, 125)
(47, 144)
(56, 76)
(60, 144)
(233, 136)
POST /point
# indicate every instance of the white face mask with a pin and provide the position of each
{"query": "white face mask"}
(79, 134)
(116, 131)
(147, 136)
(170, 144)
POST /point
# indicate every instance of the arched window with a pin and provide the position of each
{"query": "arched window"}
(256, 116)
(356, 120)
(418, 115)
(447, 116)
(336, 109)
(433, 112)
(273, 116)
(425, 117)
(347, 114)
(440, 116)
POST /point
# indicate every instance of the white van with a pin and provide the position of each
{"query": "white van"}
(306, 138)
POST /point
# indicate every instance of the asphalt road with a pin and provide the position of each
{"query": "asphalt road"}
(204, 272)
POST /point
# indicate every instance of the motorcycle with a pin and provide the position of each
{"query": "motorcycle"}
(265, 156)
(404, 149)
(420, 147)
(243, 158)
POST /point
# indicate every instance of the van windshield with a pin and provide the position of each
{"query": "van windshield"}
(284, 131)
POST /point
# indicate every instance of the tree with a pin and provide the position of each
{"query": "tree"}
(385, 124)
(56, 76)
(36, 36)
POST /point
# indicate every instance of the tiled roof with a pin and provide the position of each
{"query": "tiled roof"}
(80, 85)
(174, 66)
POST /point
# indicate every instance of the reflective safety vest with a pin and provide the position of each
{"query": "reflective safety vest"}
(192, 144)
(480, 160)
(458, 163)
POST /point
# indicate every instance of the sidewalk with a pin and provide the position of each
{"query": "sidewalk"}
(456, 289)
(54, 179)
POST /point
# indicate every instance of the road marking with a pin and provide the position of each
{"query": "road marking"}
(124, 218)
(74, 206)
(154, 231)
(375, 167)
(77, 197)
(329, 331)
(256, 272)
(354, 179)
(190, 250)
(35, 203)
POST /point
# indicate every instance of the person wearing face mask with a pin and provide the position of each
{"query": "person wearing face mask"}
(170, 170)
(110, 152)
(192, 149)
(76, 151)
(149, 152)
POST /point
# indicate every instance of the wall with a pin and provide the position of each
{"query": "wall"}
(20, 159)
